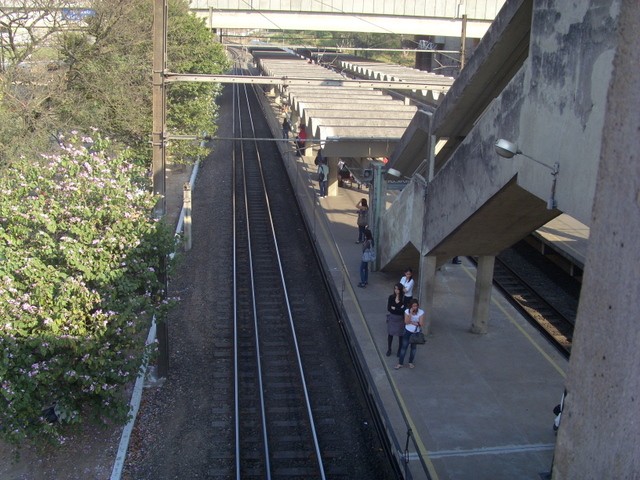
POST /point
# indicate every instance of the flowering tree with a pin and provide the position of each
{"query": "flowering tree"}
(79, 260)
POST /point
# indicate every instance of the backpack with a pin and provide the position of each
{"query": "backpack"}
(321, 173)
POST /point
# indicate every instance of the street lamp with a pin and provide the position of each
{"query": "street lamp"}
(507, 149)
(393, 172)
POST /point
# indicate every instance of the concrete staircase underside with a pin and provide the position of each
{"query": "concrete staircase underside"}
(456, 225)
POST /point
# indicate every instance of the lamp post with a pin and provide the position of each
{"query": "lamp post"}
(507, 149)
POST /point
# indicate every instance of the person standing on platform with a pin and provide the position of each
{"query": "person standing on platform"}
(407, 283)
(364, 266)
(363, 218)
(413, 322)
(395, 317)
(301, 140)
(323, 178)
(286, 128)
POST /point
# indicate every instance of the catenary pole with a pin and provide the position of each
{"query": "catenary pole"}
(158, 140)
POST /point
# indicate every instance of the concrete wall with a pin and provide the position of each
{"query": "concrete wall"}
(401, 229)
(565, 90)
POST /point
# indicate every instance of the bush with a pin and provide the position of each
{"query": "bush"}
(79, 267)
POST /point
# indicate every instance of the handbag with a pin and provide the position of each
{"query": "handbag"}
(369, 255)
(417, 338)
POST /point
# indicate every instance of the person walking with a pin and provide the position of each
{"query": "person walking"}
(413, 322)
(395, 317)
(323, 178)
(407, 283)
(363, 218)
(364, 265)
(286, 128)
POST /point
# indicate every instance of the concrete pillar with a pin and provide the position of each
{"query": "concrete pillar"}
(308, 149)
(482, 294)
(427, 288)
(295, 120)
(599, 436)
(377, 205)
(332, 186)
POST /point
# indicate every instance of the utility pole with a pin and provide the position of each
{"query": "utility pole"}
(158, 141)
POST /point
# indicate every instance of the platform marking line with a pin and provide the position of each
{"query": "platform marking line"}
(508, 449)
(513, 321)
(333, 248)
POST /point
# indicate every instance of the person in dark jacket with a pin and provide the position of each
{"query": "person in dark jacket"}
(395, 317)
(286, 128)
(363, 218)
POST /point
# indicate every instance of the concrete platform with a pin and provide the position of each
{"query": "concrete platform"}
(477, 406)
(566, 236)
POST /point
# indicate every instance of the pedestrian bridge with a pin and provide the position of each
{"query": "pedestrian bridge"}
(410, 17)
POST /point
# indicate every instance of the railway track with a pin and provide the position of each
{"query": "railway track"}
(276, 430)
(262, 383)
(278, 373)
(539, 295)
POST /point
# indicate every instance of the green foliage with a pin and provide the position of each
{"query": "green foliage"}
(109, 78)
(191, 108)
(80, 256)
(79, 261)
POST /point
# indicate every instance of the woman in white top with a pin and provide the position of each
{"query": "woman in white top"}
(413, 322)
(407, 283)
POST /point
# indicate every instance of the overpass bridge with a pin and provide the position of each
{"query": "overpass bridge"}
(410, 17)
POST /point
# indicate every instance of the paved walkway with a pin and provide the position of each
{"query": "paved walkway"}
(478, 406)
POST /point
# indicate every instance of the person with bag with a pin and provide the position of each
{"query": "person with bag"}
(368, 255)
(363, 218)
(323, 178)
(395, 317)
(413, 323)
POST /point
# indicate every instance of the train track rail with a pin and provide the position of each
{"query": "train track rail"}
(283, 409)
(555, 325)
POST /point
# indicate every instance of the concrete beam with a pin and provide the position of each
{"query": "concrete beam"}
(414, 146)
(308, 114)
(358, 147)
(297, 20)
(315, 123)
(300, 103)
